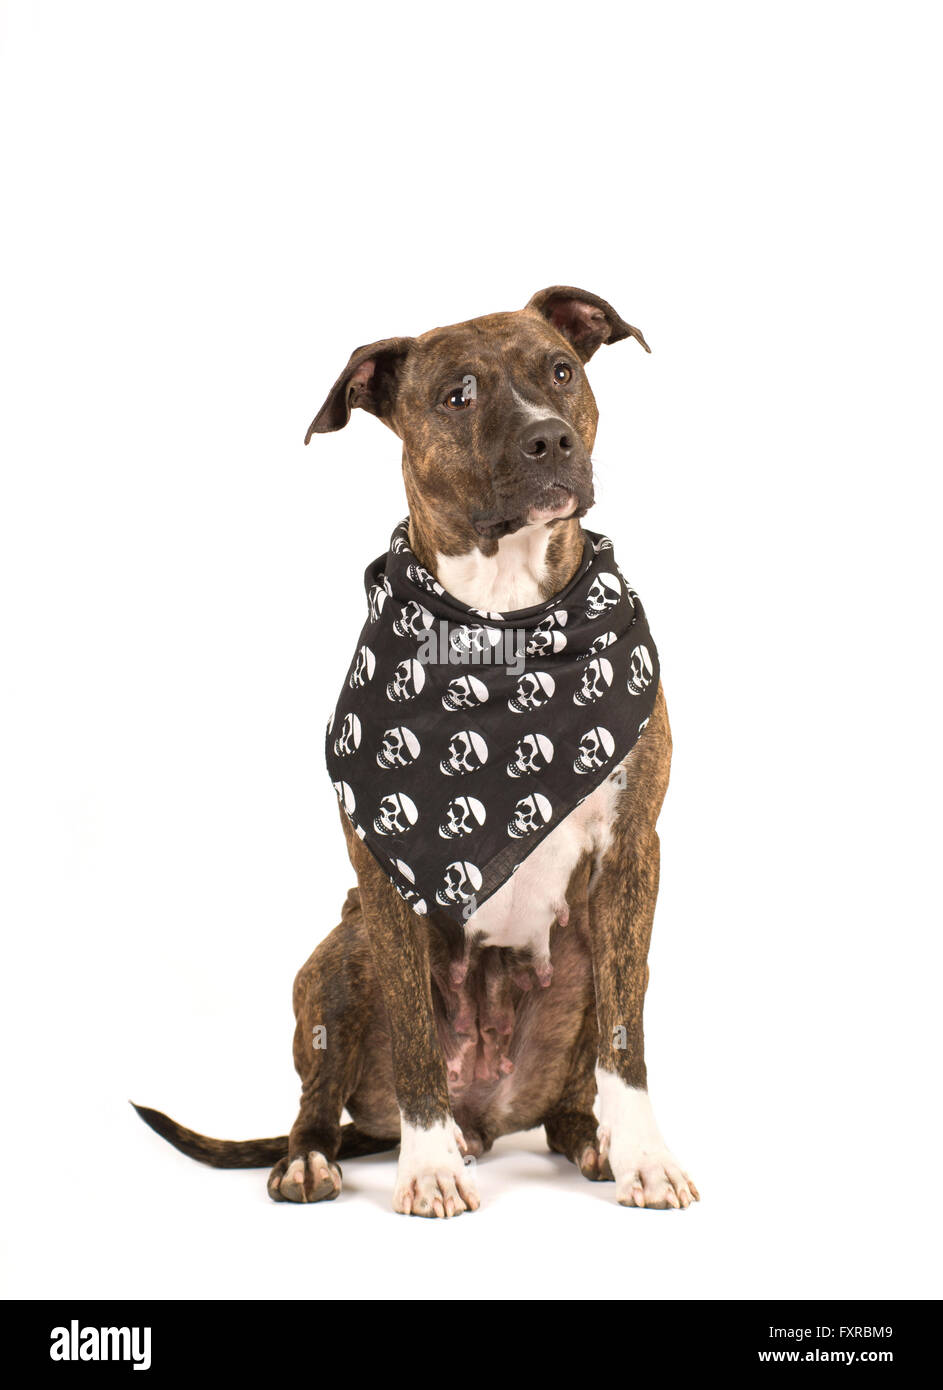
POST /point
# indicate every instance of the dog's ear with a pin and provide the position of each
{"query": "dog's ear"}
(585, 319)
(369, 380)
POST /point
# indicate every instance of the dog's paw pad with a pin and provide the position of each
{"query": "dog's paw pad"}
(306, 1178)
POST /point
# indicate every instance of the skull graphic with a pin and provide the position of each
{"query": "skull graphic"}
(348, 740)
(473, 643)
(346, 797)
(595, 680)
(596, 748)
(545, 642)
(604, 543)
(465, 692)
(532, 754)
(409, 895)
(398, 748)
(546, 637)
(530, 813)
(364, 667)
(413, 620)
(378, 595)
(604, 640)
(534, 689)
(467, 752)
(462, 881)
(641, 671)
(408, 680)
(395, 815)
(401, 537)
(603, 594)
(417, 574)
(462, 817)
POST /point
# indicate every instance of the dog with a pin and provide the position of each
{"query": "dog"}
(443, 1039)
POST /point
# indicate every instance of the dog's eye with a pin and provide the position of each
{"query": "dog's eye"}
(562, 373)
(457, 399)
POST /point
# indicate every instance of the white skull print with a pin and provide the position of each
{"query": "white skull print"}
(604, 640)
(530, 813)
(378, 595)
(534, 689)
(467, 753)
(398, 748)
(595, 749)
(545, 641)
(547, 636)
(409, 895)
(348, 740)
(595, 680)
(395, 815)
(604, 593)
(346, 797)
(470, 642)
(420, 576)
(641, 671)
(532, 755)
(413, 620)
(408, 680)
(462, 881)
(364, 667)
(465, 692)
(462, 817)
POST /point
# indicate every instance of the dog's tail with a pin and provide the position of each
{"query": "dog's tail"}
(251, 1153)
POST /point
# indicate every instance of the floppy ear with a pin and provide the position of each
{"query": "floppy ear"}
(369, 380)
(585, 319)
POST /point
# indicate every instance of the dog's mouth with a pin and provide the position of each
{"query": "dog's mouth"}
(556, 502)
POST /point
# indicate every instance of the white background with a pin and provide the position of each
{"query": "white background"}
(206, 208)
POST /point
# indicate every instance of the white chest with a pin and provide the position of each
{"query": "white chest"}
(500, 583)
(522, 912)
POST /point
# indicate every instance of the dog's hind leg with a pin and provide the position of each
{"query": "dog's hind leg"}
(571, 1125)
(336, 1000)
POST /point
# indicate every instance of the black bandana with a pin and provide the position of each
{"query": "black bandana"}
(462, 738)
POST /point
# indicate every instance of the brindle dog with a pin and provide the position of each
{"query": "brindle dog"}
(440, 1039)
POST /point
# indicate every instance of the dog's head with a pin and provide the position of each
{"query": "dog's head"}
(496, 415)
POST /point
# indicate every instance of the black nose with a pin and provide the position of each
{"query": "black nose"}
(547, 441)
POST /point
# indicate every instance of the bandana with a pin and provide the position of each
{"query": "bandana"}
(462, 738)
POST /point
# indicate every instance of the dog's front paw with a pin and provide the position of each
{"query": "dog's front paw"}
(307, 1178)
(647, 1174)
(431, 1178)
(652, 1180)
